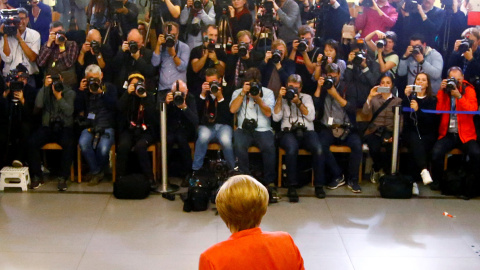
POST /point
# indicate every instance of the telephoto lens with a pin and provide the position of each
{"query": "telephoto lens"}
(133, 46)
(255, 88)
(328, 82)
(214, 87)
(302, 45)
(291, 92)
(242, 49)
(95, 47)
(93, 84)
(451, 85)
(178, 98)
(276, 56)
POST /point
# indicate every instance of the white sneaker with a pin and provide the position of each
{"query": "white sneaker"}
(427, 179)
(415, 190)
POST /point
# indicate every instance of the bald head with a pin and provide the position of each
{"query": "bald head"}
(135, 35)
(94, 34)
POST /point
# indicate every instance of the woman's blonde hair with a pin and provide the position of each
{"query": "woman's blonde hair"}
(242, 202)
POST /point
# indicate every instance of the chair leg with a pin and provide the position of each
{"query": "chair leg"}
(114, 163)
(445, 166)
(280, 157)
(79, 164)
(154, 163)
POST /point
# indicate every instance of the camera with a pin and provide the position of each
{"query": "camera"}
(57, 84)
(412, 6)
(93, 84)
(132, 46)
(381, 43)
(298, 129)
(242, 49)
(10, 21)
(451, 85)
(214, 87)
(97, 133)
(291, 92)
(169, 40)
(223, 4)
(197, 4)
(302, 45)
(116, 4)
(211, 44)
(465, 45)
(61, 36)
(358, 59)
(255, 88)
(95, 47)
(267, 19)
(417, 49)
(367, 3)
(415, 89)
(178, 98)
(328, 82)
(139, 88)
(276, 56)
(249, 125)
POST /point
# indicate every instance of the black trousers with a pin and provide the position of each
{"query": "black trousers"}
(420, 148)
(181, 137)
(140, 143)
(381, 159)
(45, 135)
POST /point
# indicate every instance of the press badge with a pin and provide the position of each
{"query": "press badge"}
(330, 121)
(452, 122)
(91, 116)
(125, 85)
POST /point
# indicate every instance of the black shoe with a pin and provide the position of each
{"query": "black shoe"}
(96, 178)
(36, 182)
(62, 184)
(272, 194)
(292, 194)
(336, 183)
(320, 193)
(435, 185)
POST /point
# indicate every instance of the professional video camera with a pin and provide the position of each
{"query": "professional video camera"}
(10, 20)
(276, 56)
(223, 5)
(465, 45)
(57, 84)
(214, 87)
(318, 7)
(132, 46)
(328, 82)
(140, 88)
(242, 49)
(291, 92)
(451, 85)
(93, 84)
(302, 45)
(95, 47)
(417, 49)
(411, 6)
(255, 88)
(358, 59)
(267, 19)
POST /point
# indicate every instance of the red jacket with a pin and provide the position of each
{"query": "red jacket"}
(253, 249)
(468, 102)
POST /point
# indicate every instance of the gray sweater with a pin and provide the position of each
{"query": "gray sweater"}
(290, 21)
(51, 107)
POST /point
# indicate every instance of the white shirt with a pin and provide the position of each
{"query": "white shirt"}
(17, 55)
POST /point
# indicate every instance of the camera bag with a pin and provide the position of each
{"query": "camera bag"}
(131, 187)
(197, 199)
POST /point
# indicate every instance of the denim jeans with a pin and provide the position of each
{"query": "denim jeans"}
(354, 142)
(221, 132)
(264, 140)
(310, 142)
(98, 158)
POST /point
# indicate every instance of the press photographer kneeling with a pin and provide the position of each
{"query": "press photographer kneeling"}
(55, 102)
(296, 112)
(96, 102)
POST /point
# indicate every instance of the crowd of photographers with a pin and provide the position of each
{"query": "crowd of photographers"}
(227, 69)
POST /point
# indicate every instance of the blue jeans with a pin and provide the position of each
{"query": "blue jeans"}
(266, 142)
(310, 142)
(221, 132)
(98, 158)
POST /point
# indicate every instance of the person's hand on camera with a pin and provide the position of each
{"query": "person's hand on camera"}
(161, 39)
(364, 63)
(246, 88)
(275, 6)
(408, 52)
(205, 89)
(231, 11)
(86, 47)
(131, 88)
(48, 81)
(234, 49)
(295, 44)
(296, 100)
(380, 34)
(408, 90)
(351, 56)
(414, 105)
(56, 94)
(141, 95)
(320, 81)
(455, 93)
(213, 56)
(5, 93)
(122, 10)
(125, 46)
(319, 59)
(419, 57)
(443, 85)
(332, 91)
(268, 55)
(457, 44)
(135, 55)
(83, 84)
(19, 95)
(51, 38)
(468, 55)
(18, 36)
(169, 98)
(282, 92)
(373, 93)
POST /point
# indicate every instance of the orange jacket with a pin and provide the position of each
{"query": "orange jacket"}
(468, 102)
(253, 249)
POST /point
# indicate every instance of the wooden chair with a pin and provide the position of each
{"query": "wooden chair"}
(56, 146)
(113, 159)
(455, 151)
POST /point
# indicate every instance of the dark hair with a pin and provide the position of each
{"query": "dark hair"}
(391, 35)
(252, 74)
(21, 68)
(389, 75)
(166, 24)
(212, 72)
(22, 10)
(332, 68)
(417, 36)
(334, 45)
(206, 27)
(56, 24)
(428, 91)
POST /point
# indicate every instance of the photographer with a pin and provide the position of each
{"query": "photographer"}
(137, 127)
(276, 67)
(336, 107)
(330, 55)
(380, 133)
(93, 52)
(56, 102)
(17, 122)
(133, 57)
(456, 130)
(172, 57)
(240, 17)
(453, 26)
(196, 15)
(329, 16)
(253, 105)
(288, 14)
(40, 18)
(215, 121)
(375, 15)
(20, 48)
(182, 123)
(203, 57)
(362, 72)
(59, 55)
(421, 129)
(383, 48)
(296, 113)
(97, 102)
(97, 15)
(304, 54)
(127, 16)
(421, 58)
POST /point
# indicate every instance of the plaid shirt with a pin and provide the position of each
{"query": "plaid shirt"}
(52, 54)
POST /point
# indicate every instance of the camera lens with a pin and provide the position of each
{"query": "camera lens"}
(328, 82)
(276, 56)
(178, 98)
(380, 44)
(140, 88)
(291, 92)
(302, 46)
(359, 57)
(58, 86)
(133, 47)
(242, 49)
(197, 4)
(95, 47)
(254, 88)
(170, 41)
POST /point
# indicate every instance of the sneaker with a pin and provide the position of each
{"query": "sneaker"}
(96, 178)
(62, 184)
(427, 179)
(292, 195)
(36, 182)
(415, 190)
(272, 194)
(336, 183)
(355, 188)
(320, 193)
(17, 164)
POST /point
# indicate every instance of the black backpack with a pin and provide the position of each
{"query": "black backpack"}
(197, 199)
(395, 186)
(131, 187)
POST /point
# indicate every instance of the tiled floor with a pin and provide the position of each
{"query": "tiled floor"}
(87, 228)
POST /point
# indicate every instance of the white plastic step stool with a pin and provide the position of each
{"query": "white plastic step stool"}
(12, 173)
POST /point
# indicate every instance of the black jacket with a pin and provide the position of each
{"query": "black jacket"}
(124, 64)
(128, 106)
(183, 119)
(101, 108)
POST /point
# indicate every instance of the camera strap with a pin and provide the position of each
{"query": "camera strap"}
(297, 110)
(377, 112)
(208, 110)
